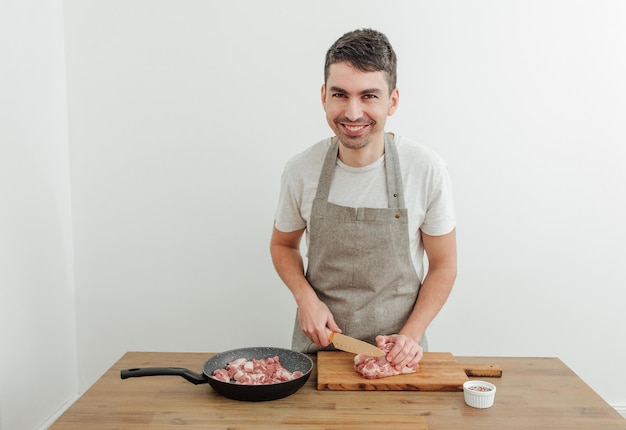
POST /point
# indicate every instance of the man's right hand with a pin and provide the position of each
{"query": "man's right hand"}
(313, 317)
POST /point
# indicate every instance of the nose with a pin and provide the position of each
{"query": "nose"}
(354, 110)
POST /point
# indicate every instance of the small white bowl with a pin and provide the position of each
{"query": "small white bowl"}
(479, 394)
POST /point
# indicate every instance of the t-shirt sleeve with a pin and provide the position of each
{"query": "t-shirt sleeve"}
(288, 216)
(440, 218)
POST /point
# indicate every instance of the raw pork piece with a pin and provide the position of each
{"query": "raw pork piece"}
(379, 367)
(255, 372)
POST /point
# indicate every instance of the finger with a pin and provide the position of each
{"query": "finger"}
(409, 360)
(419, 354)
(381, 341)
(312, 334)
(397, 353)
(332, 325)
(324, 337)
(406, 355)
(402, 359)
(310, 330)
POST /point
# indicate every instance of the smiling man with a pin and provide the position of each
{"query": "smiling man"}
(372, 205)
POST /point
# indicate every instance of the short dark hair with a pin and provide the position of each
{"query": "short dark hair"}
(365, 49)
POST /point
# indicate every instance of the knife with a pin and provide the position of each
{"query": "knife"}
(355, 346)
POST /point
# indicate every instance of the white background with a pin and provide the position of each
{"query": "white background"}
(142, 144)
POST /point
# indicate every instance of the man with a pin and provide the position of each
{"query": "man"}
(371, 204)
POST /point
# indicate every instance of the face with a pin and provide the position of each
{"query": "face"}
(357, 105)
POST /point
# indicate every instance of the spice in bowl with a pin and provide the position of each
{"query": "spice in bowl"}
(479, 394)
(479, 388)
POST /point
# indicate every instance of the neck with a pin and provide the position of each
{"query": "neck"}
(363, 156)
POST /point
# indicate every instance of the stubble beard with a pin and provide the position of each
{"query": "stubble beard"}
(355, 142)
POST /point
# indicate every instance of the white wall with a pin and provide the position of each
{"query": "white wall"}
(37, 313)
(182, 114)
(527, 102)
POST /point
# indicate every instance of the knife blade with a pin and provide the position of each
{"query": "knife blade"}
(355, 346)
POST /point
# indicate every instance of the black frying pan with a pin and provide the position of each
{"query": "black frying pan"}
(290, 360)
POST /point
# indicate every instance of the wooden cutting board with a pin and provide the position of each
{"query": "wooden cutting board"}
(439, 371)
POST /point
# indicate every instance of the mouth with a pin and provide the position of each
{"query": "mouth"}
(354, 129)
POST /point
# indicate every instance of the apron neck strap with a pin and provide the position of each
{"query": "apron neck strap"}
(395, 190)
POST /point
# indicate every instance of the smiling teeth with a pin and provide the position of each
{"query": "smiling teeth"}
(354, 127)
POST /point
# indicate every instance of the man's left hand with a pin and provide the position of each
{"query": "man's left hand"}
(405, 352)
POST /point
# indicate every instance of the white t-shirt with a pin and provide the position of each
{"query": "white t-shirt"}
(425, 178)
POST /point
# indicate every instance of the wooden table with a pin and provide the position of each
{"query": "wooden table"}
(535, 393)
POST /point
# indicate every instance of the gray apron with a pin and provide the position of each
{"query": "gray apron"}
(359, 261)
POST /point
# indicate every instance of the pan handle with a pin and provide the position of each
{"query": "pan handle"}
(190, 376)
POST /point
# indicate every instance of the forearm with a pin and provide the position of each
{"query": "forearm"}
(313, 315)
(287, 259)
(436, 287)
(290, 268)
(432, 296)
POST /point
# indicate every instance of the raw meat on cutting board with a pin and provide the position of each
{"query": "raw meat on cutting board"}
(379, 367)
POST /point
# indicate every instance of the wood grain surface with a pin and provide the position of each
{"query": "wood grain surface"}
(534, 393)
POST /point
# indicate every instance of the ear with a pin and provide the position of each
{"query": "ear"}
(324, 96)
(394, 99)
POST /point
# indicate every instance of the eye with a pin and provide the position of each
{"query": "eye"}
(370, 96)
(338, 95)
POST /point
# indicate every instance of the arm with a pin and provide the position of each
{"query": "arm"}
(442, 266)
(313, 315)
